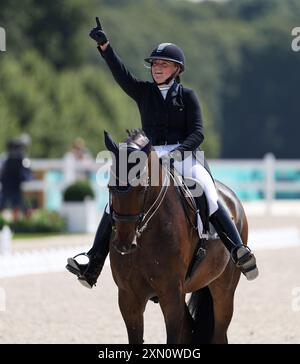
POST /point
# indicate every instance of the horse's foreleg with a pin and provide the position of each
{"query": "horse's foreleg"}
(132, 309)
(176, 318)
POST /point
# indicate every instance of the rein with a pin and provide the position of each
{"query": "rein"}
(145, 220)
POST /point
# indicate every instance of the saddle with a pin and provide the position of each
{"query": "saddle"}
(187, 189)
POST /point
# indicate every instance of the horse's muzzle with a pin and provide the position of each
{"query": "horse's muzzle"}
(125, 249)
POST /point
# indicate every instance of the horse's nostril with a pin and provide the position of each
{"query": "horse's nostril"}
(133, 247)
(125, 249)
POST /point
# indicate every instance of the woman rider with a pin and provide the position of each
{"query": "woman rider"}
(171, 118)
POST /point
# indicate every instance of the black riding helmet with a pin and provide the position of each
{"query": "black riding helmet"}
(168, 52)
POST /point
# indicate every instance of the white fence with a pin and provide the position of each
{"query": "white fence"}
(267, 166)
(268, 185)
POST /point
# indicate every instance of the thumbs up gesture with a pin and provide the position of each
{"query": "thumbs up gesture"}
(98, 34)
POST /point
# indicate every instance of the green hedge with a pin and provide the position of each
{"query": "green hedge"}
(41, 221)
(78, 191)
(2, 222)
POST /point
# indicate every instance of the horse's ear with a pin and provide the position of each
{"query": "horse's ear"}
(110, 144)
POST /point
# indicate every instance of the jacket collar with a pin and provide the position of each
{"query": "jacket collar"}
(172, 92)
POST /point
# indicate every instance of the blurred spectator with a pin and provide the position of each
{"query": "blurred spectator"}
(79, 150)
(79, 153)
(15, 169)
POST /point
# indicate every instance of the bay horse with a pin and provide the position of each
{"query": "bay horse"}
(151, 247)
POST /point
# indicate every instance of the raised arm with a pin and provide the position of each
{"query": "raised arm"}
(124, 78)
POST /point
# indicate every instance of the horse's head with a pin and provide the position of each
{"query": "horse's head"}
(127, 187)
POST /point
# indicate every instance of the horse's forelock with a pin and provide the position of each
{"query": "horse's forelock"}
(132, 133)
(138, 137)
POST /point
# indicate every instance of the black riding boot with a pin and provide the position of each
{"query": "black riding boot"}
(89, 273)
(240, 253)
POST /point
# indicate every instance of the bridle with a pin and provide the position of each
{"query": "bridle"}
(143, 218)
(127, 217)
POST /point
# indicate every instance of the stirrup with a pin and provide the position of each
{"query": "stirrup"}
(245, 261)
(74, 267)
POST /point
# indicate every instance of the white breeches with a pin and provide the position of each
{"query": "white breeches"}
(190, 167)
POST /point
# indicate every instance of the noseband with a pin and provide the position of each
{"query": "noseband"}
(116, 217)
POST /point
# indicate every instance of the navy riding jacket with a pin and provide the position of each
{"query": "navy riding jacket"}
(176, 119)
